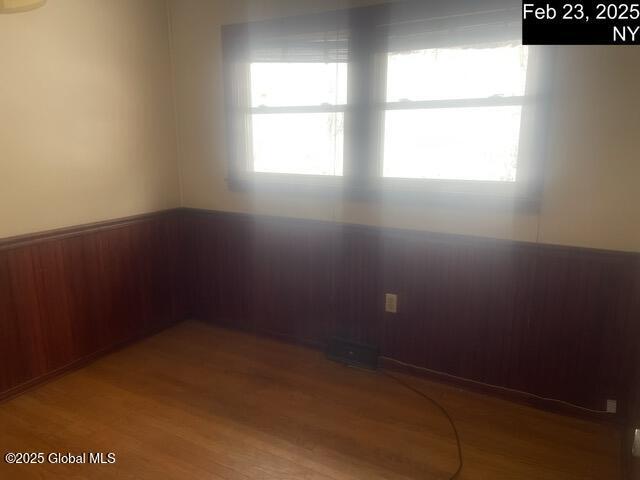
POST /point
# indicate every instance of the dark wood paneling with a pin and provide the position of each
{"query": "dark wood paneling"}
(550, 321)
(279, 298)
(219, 268)
(632, 464)
(556, 322)
(68, 295)
(538, 319)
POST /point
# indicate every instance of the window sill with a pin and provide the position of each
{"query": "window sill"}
(469, 195)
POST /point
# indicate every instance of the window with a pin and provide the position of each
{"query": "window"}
(408, 96)
(298, 130)
(440, 125)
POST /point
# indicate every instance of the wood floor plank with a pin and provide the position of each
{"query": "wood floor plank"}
(201, 402)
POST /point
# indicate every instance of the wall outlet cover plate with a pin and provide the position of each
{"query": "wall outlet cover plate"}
(391, 303)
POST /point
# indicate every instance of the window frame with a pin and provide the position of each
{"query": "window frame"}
(301, 109)
(364, 116)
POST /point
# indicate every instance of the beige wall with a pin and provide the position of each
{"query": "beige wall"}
(87, 130)
(592, 195)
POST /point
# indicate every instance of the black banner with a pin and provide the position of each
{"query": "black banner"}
(574, 22)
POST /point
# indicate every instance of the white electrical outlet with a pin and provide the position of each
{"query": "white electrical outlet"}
(612, 406)
(636, 444)
(391, 303)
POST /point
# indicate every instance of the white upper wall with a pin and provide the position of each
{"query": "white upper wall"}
(87, 130)
(592, 192)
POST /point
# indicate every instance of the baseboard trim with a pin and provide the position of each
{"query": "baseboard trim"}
(80, 363)
(521, 398)
(262, 333)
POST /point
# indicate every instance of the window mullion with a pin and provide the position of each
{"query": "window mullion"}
(299, 109)
(360, 121)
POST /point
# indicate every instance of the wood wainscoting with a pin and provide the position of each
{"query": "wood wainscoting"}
(552, 321)
(69, 295)
(632, 464)
(555, 322)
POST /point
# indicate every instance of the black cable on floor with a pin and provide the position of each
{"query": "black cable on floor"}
(443, 410)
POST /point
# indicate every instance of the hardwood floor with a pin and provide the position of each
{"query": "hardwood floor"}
(198, 402)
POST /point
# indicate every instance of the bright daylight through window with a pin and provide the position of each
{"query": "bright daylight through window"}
(398, 99)
(454, 113)
(298, 117)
